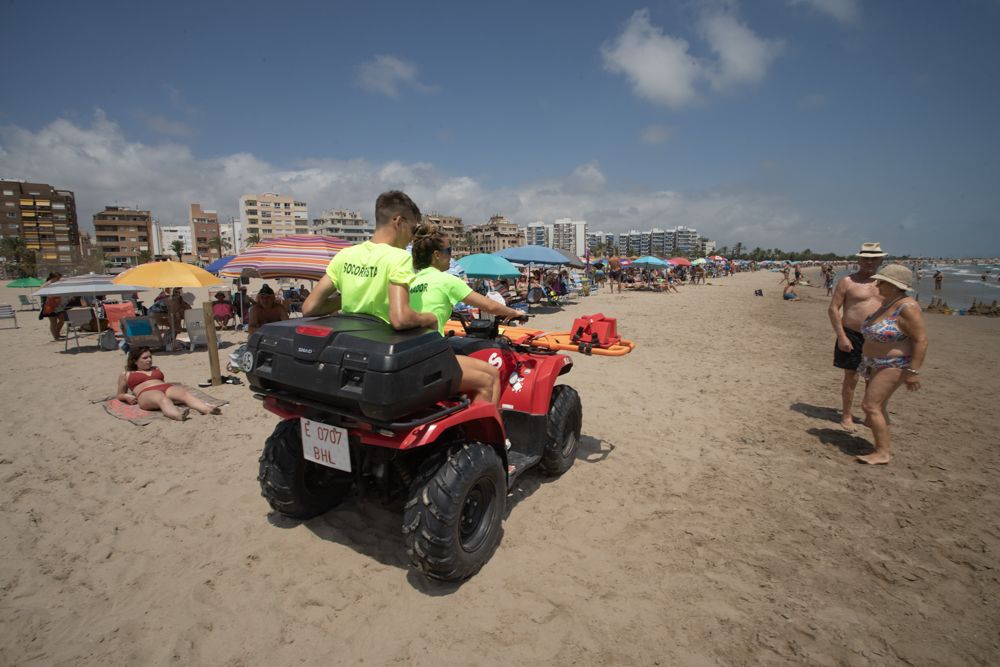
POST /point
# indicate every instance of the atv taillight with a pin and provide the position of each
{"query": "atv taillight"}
(316, 332)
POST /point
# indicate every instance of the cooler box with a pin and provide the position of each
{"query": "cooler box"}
(354, 362)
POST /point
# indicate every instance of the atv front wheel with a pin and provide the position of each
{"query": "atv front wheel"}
(293, 486)
(562, 431)
(452, 518)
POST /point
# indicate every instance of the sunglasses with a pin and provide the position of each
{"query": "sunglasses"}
(445, 251)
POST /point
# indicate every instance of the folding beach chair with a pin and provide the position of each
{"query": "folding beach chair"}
(76, 319)
(27, 303)
(116, 312)
(141, 332)
(7, 313)
(194, 322)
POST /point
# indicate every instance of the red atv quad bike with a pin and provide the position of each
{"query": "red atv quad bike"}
(366, 408)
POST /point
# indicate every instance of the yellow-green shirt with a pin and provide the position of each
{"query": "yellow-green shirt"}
(362, 274)
(434, 291)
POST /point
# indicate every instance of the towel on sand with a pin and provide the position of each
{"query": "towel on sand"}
(140, 417)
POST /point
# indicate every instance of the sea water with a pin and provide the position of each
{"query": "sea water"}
(961, 285)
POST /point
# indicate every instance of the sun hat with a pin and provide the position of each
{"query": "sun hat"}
(871, 250)
(266, 289)
(896, 274)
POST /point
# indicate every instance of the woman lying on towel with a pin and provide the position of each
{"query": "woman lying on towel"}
(145, 381)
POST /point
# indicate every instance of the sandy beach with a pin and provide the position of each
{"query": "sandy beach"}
(715, 514)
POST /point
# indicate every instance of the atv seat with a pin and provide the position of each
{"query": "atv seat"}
(462, 345)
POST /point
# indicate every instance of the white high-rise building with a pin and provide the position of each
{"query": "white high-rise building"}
(570, 235)
(230, 231)
(347, 225)
(165, 235)
(538, 233)
(685, 239)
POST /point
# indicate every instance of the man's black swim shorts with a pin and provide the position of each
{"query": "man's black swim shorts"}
(849, 360)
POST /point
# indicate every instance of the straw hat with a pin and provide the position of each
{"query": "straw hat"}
(871, 250)
(896, 274)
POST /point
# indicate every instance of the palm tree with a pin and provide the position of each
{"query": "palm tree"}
(178, 247)
(143, 256)
(220, 244)
(253, 239)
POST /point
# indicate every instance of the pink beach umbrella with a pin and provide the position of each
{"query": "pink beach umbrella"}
(302, 256)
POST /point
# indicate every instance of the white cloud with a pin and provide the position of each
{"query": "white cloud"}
(103, 167)
(658, 66)
(655, 134)
(387, 75)
(844, 11)
(661, 69)
(742, 56)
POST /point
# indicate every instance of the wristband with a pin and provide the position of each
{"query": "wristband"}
(913, 371)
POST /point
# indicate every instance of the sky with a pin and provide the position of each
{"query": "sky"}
(787, 124)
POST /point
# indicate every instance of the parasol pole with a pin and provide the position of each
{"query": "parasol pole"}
(213, 343)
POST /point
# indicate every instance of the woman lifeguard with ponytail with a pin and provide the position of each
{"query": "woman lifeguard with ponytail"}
(437, 292)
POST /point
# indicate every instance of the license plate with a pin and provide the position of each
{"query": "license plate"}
(326, 445)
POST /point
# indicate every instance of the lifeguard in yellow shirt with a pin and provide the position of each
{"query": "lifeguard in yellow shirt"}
(433, 290)
(373, 278)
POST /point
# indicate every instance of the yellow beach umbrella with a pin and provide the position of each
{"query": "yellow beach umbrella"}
(168, 274)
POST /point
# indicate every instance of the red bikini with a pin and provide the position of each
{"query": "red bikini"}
(135, 378)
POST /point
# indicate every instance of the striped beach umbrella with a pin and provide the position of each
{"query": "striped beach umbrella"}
(302, 256)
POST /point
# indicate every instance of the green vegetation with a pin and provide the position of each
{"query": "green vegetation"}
(18, 258)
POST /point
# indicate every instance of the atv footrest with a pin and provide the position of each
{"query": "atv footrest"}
(518, 463)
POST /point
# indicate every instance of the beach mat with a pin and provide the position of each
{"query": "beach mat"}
(140, 417)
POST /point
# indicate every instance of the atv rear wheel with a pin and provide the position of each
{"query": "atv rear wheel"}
(293, 486)
(562, 431)
(452, 517)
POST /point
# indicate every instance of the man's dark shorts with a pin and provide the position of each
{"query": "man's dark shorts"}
(849, 361)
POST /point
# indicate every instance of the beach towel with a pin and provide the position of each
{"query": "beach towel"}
(140, 417)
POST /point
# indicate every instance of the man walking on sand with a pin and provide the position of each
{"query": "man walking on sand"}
(855, 298)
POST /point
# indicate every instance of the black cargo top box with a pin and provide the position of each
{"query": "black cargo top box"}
(354, 362)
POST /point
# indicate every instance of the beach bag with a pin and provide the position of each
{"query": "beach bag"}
(107, 340)
(596, 330)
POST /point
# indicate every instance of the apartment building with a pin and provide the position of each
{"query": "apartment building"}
(230, 233)
(497, 234)
(685, 239)
(661, 244)
(453, 227)
(570, 235)
(164, 238)
(45, 218)
(122, 233)
(270, 215)
(538, 233)
(350, 226)
(204, 229)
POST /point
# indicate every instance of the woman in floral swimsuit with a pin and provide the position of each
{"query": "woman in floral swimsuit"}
(895, 346)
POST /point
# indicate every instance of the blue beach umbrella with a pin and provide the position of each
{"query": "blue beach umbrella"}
(488, 266)
(649, 261)
(218, 264)
(533, 254)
